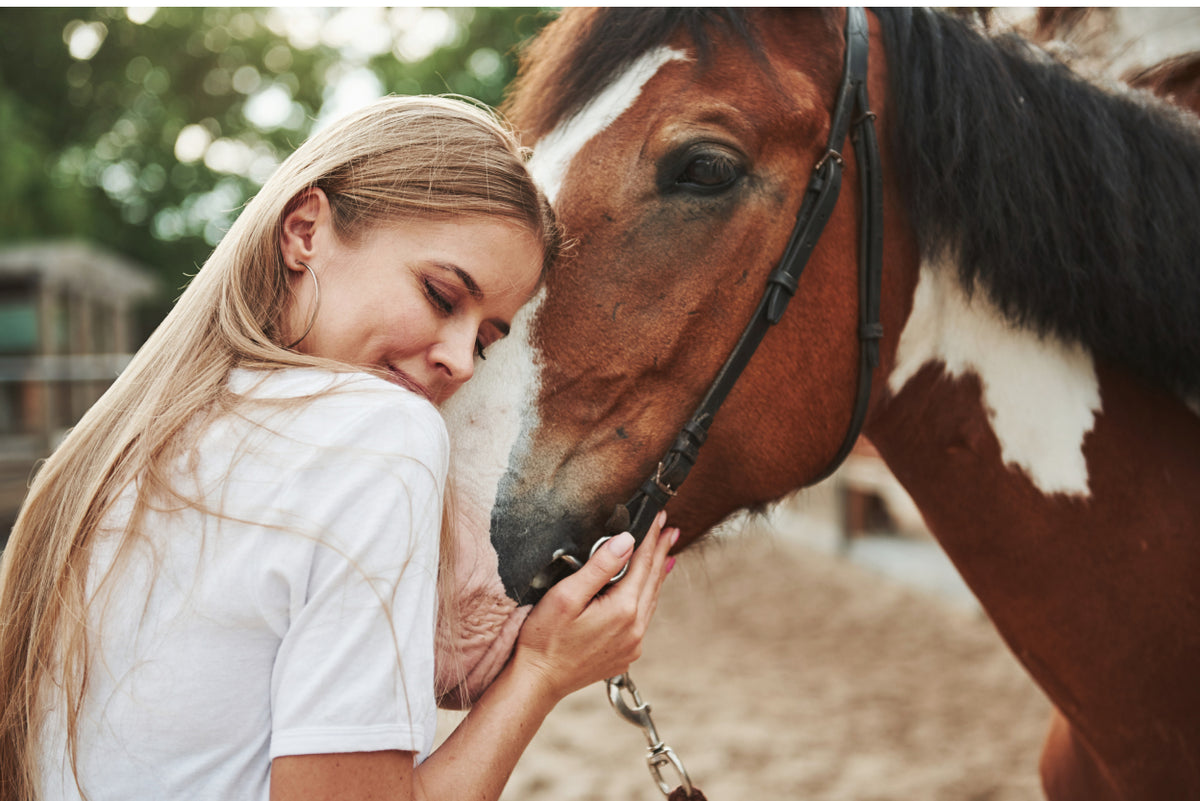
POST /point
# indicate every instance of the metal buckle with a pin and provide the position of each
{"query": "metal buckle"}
(658, 482)
(830, 154)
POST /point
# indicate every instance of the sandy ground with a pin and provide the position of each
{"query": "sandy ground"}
(779, 671)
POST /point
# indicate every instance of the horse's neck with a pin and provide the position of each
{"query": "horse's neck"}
(966, 385)
(1064, 491)
(975, 404)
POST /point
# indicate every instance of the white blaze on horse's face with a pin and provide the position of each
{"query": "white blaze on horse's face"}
(487, 416)
(554, 152)
(1041, 395)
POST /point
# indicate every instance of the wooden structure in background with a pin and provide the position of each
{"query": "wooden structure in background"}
(66, 331)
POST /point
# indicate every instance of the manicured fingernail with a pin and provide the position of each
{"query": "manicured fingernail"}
(674, 536)
(621, 544)
(670, 564)
(662, 518)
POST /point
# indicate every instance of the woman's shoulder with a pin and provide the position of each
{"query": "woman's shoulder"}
(308, 382)
(344, 410)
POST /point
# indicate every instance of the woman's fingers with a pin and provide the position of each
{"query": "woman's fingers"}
(661, 566)
(646, 560)
(578, 634)
(595, 574)
(646, 565)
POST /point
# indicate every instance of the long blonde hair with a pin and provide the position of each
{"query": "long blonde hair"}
(426, 157)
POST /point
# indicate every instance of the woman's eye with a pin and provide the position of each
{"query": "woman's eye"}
(479, 349)
(439, 301)
(708, 171)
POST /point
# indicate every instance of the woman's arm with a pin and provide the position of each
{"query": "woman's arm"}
(571, 639)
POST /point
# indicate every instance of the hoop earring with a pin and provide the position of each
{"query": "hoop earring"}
(316, 305)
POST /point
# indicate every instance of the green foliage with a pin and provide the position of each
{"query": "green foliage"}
(147, 136)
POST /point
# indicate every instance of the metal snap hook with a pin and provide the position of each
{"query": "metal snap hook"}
(660, 754)
(662, 757)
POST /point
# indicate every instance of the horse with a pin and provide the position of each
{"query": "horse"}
(1033, 354)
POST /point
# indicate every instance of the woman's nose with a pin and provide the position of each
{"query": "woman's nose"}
(456, 356)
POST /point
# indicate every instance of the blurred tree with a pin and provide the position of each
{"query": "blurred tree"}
(145, 130)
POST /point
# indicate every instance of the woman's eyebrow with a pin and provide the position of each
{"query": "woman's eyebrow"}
(464, 276)
(472, 289)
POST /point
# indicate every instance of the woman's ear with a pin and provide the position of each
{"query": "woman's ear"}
(305, 231)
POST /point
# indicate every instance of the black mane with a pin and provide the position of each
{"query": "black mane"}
(1076, 208)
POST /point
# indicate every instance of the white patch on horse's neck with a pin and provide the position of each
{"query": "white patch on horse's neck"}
(1041, 394)
(555, 150)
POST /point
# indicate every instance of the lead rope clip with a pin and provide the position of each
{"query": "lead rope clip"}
(660, 754)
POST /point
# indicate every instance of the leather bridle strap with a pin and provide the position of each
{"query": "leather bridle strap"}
(852, 111)
(870, 262)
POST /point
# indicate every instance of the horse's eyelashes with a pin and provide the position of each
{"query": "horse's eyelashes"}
(709, 172)
(704, 169)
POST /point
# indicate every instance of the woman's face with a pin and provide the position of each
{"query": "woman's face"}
(417, 300)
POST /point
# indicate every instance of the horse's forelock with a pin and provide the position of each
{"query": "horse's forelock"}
(601, 45)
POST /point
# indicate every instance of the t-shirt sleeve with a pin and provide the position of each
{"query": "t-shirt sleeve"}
(355, 667)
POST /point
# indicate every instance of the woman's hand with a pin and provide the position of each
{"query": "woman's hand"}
(571, 639)
(576, 636)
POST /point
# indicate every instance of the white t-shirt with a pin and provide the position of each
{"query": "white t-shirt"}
(295, 616)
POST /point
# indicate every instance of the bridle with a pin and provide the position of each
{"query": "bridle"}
(851, 115)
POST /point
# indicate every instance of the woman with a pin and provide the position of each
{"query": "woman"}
(222, 584)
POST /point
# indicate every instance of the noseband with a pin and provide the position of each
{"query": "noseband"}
(851, 113)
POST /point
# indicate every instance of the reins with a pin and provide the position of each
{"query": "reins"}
(852, 116)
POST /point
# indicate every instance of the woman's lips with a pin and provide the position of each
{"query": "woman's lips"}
(408, 382)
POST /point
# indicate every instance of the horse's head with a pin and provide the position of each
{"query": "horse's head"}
(677, 156)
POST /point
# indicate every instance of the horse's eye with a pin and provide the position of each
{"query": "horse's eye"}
(709, 171)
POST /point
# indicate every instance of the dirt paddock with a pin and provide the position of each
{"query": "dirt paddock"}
(778, 671)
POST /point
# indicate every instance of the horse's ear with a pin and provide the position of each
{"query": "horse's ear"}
(305, 219)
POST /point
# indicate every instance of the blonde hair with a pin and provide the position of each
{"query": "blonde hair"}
(401, 157)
